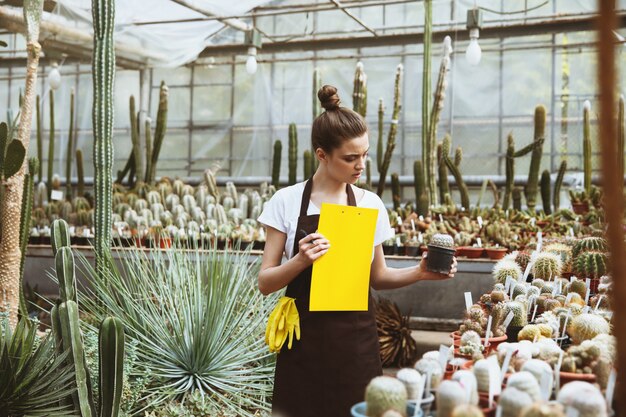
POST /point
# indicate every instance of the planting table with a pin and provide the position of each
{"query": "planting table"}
(440, 303)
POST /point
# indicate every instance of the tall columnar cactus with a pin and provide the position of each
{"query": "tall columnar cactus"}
(159, 132)
(545, 191)
(134, 136)
(620, 138)
(511, 154)
(39, 139)
(293, 153)
(517, 198)
(444, 185)
(419, 182)
(70, 151)
(587, 146)
(10, 255)
(556, 197)
(426, 97)
(359, 92)
(368, 173)
(103, 12)
(25, 222)
(308, 164)
(454, 169)
(393, 130)
(395, 190)
(530, 191)
(278, 150)
(51, 144)
(380, 145)
(435, 112)
(80, 174)
(148, 133)
(317, 84)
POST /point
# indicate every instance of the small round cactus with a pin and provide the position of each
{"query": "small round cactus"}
(526, 382)
(547, 266)
(538, 368)
(520, 318)
(584, 397)
(529, 332)
(522, 258)
(468, 380)
(412, 381)
(543, 409)
(513, 401)
(586, 327)
(591, 264)
(506, 268)
(442, 240)
(449, 395)
(430, 366)
(577, 286)
(564, 251)
(385, 393)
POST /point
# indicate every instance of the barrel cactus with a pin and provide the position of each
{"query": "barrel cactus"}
(564, 251)
(442, 240)
(520, 318)
(525, 382)
(587, 326)
(449, 395)
(513, 401)
(385, 393)
(591, 264)
(577, 286)
(584, 398)
(547, 266)
(506, 268)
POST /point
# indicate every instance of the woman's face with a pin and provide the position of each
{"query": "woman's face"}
(346, 163)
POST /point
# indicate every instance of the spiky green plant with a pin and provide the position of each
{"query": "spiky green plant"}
(395, 190)
(454, 169)
(368, 173)
(293, 153)
(34, 376)
(393, 129)
(149, 150)
(591, 264)
(427, 155)
(80, 173)
(359, 92)
(39, 138)
(587, 147)
(556, 197)
(444, 185)
(421, 194)
(511, 154)
(199, 320)
(531, 188)
(278, 149)
(591, 243)
(547, 266)
(134, 136)
(545, 191)
(103, 69)
(50, 144)
(159, 132)
(317, 84)
(70, 151)
(25, 221)
(517, 198)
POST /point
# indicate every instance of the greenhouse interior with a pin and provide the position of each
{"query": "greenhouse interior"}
(312, 208)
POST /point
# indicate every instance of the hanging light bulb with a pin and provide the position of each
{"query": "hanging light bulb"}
(473, 52)
(251, 64)
(54, 76)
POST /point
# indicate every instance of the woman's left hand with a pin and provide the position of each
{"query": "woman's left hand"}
(425, 274)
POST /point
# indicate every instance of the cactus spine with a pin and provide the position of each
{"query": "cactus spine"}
(39, 140)
(51, 145)
(454, 169)
(359, 92)
(278, 149)
(80, 172)
(620, 139)
(159, 132)
(587, 146)
(556, 198)
(308, 164)
(545, 191)
(14, 185)
(530, 190)
(419, 182)
(70, 146)
(393, 129)
(25, 221)
(395, 190)
(293, 153)
(440, 91)
(103, 78)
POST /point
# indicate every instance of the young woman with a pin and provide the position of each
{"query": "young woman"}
(326, 372)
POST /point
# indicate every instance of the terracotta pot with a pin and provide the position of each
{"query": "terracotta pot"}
(488, 411)
(450, 370)
(580, 208)
(493, 343)
(472, 252)
(565, 377)
(496, 253)
(458, 354)
(467, 365)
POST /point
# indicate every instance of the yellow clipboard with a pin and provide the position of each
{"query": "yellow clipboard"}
(340, 280)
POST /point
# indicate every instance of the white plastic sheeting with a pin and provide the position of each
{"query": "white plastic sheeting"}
(165, 44)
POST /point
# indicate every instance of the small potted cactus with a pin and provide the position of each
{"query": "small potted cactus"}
(440, 253)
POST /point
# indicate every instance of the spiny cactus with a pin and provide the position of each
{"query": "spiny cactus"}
(517, 198)
(511, 154)
(513, 401)
(586, 327)
(564, 251)
(278, 148)
(591, 243)
(393, 130)
(584, 398)
(591, 264)
(395, 190)
(368, 173)
(308, 164)
(70, 147)
(380, 145)
(359, 92)
(80, 173)
(412, 381)
(506, 268)
(39, 139)
(385, 393)
(25, 222)
(442, 241)
(520, 318)
(449, 395)
(159, 132)
(317, 84)
(293, 153)
(547, 266)
(51, 143)
(525, 382)
(136, 141)
(545, 191)
(444, 185)
(149, 150)
(103, 69)
(421, 194)
(454, 169)
(530, 190)
(587, 147)
(556, 197)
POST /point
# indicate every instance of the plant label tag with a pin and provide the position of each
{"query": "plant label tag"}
(440, 218)
(507, 283)
(488, 331)
(557, 373)
(479, 242)
(508, 319)
(443, 356)
(511, 289)
(532, 221)
(569, 297)
(587, 296)
(588, 282)
(505, 363)
(72, 230)
(420, 238)
(598, 302)
(539, 241)
(428, 381)
(56, 195)
(534, 312)
(572, 278)
(413, 225)
(560, 287)
(586, 309)
(527, 271)
(546, 380)
(423, 387)
(398, 243)
(495, 384)
(565, 326)
(468, 300)
(421, 218)
(554, 290)
(480, 221)
(498, 410)
(571, 232)
(610, 389)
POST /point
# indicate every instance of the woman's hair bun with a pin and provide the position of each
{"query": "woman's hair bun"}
(328, 97)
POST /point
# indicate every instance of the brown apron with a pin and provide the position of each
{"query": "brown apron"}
(327, 370)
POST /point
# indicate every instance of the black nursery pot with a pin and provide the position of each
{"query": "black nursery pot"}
(439, 259)
(511, 333)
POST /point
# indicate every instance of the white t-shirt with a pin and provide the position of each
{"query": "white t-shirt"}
(282, 211)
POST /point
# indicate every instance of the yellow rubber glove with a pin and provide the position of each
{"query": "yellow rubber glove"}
(293, 323)
(274, 322)
(283, 322)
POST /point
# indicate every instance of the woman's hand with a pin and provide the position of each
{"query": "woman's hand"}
(312, 247)
(425, 274)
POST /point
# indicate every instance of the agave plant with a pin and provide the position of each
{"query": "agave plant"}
(198, 319)
(33, 377)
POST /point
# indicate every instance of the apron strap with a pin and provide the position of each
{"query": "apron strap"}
(306, 196)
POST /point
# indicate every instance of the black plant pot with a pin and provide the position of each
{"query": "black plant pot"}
(511, 333)
(439, 259)
(389, 249)
(412, 251)
(257, 245)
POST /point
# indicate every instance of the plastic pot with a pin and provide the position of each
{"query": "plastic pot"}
(439, 259)
(359, 410)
